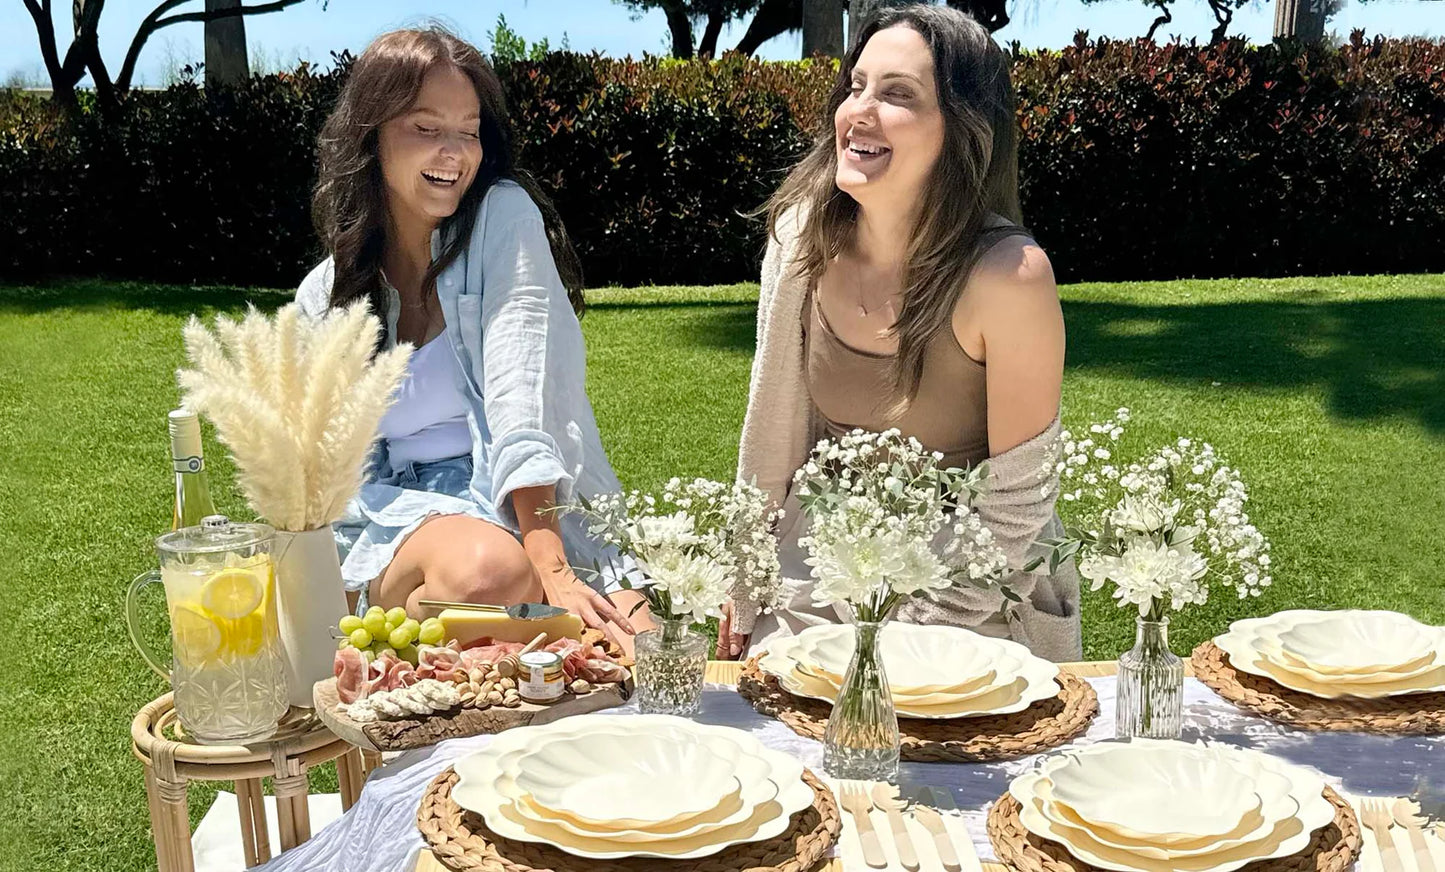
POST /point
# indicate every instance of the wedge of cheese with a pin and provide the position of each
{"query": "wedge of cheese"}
(468, 626)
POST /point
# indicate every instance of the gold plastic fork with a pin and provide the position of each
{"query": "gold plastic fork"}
(857, 803)
(1375, 815)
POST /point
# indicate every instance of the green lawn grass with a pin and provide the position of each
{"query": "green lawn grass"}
(1329, 393)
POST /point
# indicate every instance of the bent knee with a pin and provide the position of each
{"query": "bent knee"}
(492, 570)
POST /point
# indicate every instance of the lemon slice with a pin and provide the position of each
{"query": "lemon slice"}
(232, 593)
(194, 635)
(243, 637)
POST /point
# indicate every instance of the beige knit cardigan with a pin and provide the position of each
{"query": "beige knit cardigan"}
(781, 427)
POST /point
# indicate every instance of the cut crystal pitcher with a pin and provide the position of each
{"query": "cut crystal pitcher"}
(226, 667)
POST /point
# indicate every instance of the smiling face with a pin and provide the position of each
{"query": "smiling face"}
(431, 152)
(889, 130)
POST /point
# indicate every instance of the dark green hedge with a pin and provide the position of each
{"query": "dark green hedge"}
(1138, 161)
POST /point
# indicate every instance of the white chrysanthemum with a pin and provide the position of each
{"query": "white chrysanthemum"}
(697, 585)
(1145, 513)
(1147, 571)
(664, 532)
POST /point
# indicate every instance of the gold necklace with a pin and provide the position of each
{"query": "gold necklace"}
(863, 310)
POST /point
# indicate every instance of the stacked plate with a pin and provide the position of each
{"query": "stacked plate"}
(933, 671)
(1163, 806)
(607, 787)
(1335, 654)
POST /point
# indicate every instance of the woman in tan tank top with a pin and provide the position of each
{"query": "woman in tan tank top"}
(922, 304)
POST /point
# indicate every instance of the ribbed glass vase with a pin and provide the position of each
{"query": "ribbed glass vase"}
(1151, 685)
(861, 741)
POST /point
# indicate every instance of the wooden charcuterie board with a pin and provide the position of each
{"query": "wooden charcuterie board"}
(423, 731)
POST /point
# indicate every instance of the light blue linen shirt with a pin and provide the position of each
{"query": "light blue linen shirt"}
(523, 363)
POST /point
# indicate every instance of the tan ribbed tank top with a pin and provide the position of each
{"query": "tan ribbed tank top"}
(852, 388)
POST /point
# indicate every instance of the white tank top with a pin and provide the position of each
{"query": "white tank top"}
(428, 421)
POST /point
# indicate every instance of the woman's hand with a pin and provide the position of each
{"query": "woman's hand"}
(567, 590)
(730, 645)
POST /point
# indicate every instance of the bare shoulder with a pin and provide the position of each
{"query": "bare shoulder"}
(1012, 271)
(1011, 288)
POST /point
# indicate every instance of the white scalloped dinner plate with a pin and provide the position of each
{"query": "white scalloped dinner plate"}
(919, 659)
(1252, 649)
(481, 776)
(1359, 642)
(1287, 828)
(1036, 681)
(637, 773)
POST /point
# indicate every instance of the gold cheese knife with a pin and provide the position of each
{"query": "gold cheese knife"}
(520, 611)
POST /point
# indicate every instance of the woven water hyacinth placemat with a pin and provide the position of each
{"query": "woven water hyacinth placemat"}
(1046, 724)
(1335, 847)
(1416, 714)
(460, 840)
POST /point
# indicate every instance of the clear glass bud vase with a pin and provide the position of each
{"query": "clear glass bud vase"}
(861, 741)
(671, 661)
(1151, 685)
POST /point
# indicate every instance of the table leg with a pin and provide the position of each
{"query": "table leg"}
(369, 761)
(290, 790)
(164, 861)
(349, 775)
(176, 824)
(258, 820)
(248, 797)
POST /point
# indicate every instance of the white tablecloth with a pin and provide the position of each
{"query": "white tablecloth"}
(379, 833)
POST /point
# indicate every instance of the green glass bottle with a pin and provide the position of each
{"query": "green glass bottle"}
(193, 490)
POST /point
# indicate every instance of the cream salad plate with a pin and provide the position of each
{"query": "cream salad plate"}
(934, 672)
(1336, 654)
(1164, 806)
(607, 792)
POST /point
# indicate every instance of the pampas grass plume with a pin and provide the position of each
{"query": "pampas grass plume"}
(297, 402)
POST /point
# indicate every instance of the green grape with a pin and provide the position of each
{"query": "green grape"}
(343, 643)
(396, 616)
(432, 632)
(376, 610)
(375, 624)
(367, 655)
(399, 638)
(360, 638)
(350, 624)
(413, 626)
(408, 653)
(382, 649)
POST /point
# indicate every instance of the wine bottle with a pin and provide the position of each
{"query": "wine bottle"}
(193, 490)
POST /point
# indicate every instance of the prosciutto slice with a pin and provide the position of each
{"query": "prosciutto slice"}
(351, 674)
(441, 663)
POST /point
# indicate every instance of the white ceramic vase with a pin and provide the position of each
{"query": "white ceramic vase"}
(310, 600)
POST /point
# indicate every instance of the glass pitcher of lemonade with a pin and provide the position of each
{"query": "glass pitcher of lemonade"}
(226, 667)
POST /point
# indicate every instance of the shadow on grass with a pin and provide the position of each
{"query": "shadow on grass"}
(1375, 358)
(162, 299)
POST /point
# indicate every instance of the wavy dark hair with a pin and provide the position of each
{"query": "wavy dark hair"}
(976, 173)
(348, 207)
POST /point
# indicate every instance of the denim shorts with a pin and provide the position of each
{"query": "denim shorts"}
(388, 509)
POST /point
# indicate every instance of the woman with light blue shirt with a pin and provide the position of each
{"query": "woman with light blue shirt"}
(425, 215)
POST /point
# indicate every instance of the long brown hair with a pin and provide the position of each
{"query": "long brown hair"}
(349, 204)
(976, 174)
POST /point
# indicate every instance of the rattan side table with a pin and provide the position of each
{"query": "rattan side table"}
(171, 762)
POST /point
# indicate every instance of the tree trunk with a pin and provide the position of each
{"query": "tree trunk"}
(858, 12)
(680, 27)
(708, 47)
(822, 28)
(773, 17)
(992, 14)
(1299, 19)
(226, 62)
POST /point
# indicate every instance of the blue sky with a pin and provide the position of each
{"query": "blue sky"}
(307, 31)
